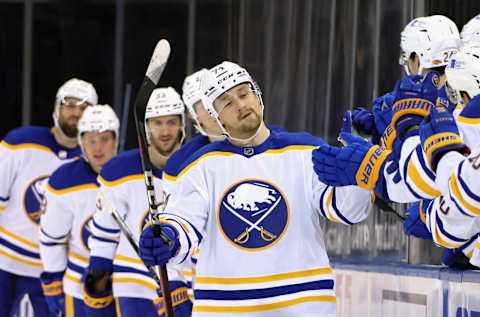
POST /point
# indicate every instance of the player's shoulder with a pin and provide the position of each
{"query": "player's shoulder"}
(40, 138)
(181, 155)
(29, 134)
(71, 176)
(284, 139)
(125, 164)
(471, 112)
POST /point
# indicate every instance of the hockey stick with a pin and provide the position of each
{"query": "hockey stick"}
(154, 71)
(105, 201)
(126, 109)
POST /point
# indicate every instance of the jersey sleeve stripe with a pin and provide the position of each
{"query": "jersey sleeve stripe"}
(62, 238)
(4, 199)
(18, 249)
(120, 180)
(405, 173)
(322, 210)
(16, 258)
(338, 213)
(457, 193)
(133, 281)
(468, 120)
(113, 231)
(328, 203)
(465, 188)
(104, 239)
(25, 146)
(420, 182)
(15, 237)
(71, 189)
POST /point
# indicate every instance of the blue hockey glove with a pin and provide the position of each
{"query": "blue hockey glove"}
(413, 100)
(155, 251)
(182, 305)
(364, 121)
(359, 163)
(382, 112)
(415, 225)
(439, 135)
(52, 285)
(97, 287)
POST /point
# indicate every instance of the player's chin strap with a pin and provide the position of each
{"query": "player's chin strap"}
(202, 131)
(225, 132)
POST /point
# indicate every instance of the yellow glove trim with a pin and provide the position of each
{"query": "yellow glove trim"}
(96, 302)
(367, 174)
(440, 140)
(53, 289)
(179, 296)
(415, 106)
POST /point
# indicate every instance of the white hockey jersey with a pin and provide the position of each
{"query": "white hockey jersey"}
(123, 182)
(255, 213)
(65, 226)
(28, 155)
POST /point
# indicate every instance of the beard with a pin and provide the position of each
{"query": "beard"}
(164, 150)
(70, 131)
(246, 127)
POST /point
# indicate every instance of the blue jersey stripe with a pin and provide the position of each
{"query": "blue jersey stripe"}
(104, 239)
(75, 268)
(103, 228)
(4, 198)
(445, 233)
(334, 206)
(464, 185)
(52, 237)
(405, 173)
(424, 164)
(126, 269)
(18, 249)
(322, 211)
(263, 293)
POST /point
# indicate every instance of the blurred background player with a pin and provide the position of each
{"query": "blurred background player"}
(247, 201)
(123, 182)
(28, 155)
(70, 201)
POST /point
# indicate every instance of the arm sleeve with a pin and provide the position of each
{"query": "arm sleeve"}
(346, 204)
(105, 235)
(453, 217)
(10, 162)
(187, 211)
(410, 179)
(55, 228)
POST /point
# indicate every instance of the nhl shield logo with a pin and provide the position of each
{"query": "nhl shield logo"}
(33, 198)
(253, 214)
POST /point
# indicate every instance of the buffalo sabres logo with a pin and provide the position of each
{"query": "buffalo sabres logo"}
(253, 215)
(436, 80)
(33, 198)
(86, 231)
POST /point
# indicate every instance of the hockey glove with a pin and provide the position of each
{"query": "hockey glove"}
(413, 100)
(155, 251)
(359, 163)
(52, 285)
(182, 306)
(97, 288)
(415, 225)
(439, 134)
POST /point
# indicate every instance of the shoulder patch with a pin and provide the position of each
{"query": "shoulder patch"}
(72, 176)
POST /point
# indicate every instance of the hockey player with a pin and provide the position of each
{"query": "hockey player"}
(247, 201)
(122, 180)
(28, 155)
(70, 201)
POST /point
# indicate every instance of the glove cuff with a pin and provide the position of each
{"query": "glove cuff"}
(179, 295)
(371, 167)
(52, 283)
(438, 144)
(102, 264)
(411, 106)
(97, 301)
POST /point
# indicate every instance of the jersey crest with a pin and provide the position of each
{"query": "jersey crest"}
(86, 232)
(33, 198)
(253, 214)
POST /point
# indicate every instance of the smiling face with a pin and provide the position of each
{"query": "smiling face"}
(99, 147)
(240, 111)
(165, 133)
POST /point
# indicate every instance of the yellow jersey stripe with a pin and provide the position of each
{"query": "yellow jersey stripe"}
(26, 146)
(16, 258)
(120, 180)
(292, 147)
(77, 257)
(262, 279)
(71, 278)
(444, 243)
(263, 307)
(2, 208)
(420, 182)
(117, 307)
(14, 236)
(458, 195)
(135, 281)
(128, 259)
(71, 189)
(69, 310)
(173, 178)
(329, 203)
(468, 120)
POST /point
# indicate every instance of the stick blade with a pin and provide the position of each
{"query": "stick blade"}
(158, 61)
